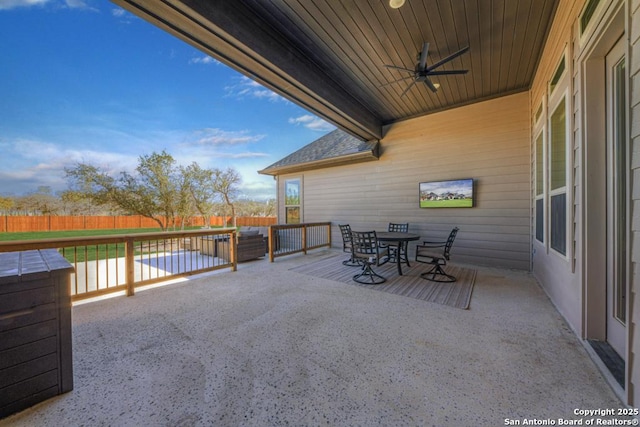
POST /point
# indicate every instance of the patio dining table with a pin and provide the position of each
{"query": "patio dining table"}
(401, 239)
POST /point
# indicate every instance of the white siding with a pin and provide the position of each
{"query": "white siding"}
(488, 141)
(634, 305)
(560, 276)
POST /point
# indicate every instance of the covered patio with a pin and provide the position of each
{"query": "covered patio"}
(270, 346)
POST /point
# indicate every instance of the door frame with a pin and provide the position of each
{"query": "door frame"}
(592, 66)
(615, 336)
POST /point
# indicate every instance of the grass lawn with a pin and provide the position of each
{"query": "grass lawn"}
(456, 203)
(36, 235)
(88, 253)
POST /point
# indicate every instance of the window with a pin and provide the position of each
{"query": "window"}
(557, 76)
(553, 165)
(587, 14)
(292, 201)
(539, 187)
(558, 178)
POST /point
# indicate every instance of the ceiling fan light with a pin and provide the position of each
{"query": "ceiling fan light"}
(436, 85)
(395, 4)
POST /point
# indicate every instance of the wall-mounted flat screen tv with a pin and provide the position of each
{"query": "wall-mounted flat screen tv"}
(457, 193)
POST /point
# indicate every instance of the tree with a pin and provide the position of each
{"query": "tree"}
(77, 203)
(40, 202)
(6, 204)
(153, 192)
(254, 208)
(225, 183)
(201, 188)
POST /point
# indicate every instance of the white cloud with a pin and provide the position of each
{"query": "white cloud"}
(244, 155)
(312, 122)
(204, 60)
(217, 137)
(77, 4)
(32, 163)
(247, 88)
(12, 4)
(69, 4)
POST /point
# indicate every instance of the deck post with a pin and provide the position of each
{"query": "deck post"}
(271, 243)
(130, 266)
(233, 240)
(304, 239)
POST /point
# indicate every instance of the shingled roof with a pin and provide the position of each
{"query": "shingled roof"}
(334, 149)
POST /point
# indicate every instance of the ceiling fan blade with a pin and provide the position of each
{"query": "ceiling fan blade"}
(396, 81)
(407, 89)
(430, 84)
(423, 56)
(395, 67)
(445, 72)
(448, 58)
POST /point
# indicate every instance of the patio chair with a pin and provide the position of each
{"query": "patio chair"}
(427, 253)
(367, 250)
(347, 246)
(394, 250)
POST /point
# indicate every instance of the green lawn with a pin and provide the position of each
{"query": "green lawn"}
(36, 235)
(88, 253)
(456, 203)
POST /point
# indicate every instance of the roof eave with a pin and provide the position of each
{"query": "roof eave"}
(348, 159)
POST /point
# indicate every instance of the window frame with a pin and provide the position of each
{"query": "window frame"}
(559, 92)
(293, 204)
(540, 166)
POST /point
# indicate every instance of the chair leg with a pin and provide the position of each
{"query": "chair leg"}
(403, 253)
(400, 251)
(352, 262)
(437, 274)
(367, 272)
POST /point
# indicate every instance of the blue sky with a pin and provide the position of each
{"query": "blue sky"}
(86, 81)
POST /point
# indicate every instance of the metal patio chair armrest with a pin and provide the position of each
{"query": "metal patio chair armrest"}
(425, 254)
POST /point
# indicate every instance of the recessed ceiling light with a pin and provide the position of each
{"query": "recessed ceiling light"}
(396, 3)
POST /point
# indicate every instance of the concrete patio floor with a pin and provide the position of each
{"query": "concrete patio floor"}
(265, 346)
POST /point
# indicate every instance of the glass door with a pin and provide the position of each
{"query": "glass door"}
(617, 196)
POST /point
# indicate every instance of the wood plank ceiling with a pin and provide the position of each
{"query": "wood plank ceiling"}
(329, 55)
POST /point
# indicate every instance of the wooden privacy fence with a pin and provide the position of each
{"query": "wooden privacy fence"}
(12, 224)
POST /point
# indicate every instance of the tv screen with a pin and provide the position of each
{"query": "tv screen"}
(457, 193)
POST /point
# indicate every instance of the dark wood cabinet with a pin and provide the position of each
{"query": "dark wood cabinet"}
(35, 328)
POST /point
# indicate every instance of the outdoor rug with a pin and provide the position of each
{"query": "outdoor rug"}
(410, 284)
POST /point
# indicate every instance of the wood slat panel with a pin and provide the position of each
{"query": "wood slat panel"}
(362, 36)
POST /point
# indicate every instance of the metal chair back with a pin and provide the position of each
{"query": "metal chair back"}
(365, 244)
(347, 246)
(449, 243)
(345, 230)
(366, 249)
(402, 228)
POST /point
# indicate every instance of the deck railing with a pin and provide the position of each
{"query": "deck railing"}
(293, 238)
(106, 264)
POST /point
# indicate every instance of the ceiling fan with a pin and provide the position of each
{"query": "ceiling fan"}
(422, 73)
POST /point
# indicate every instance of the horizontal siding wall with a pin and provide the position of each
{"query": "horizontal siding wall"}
(488, 141)
(560, 277)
